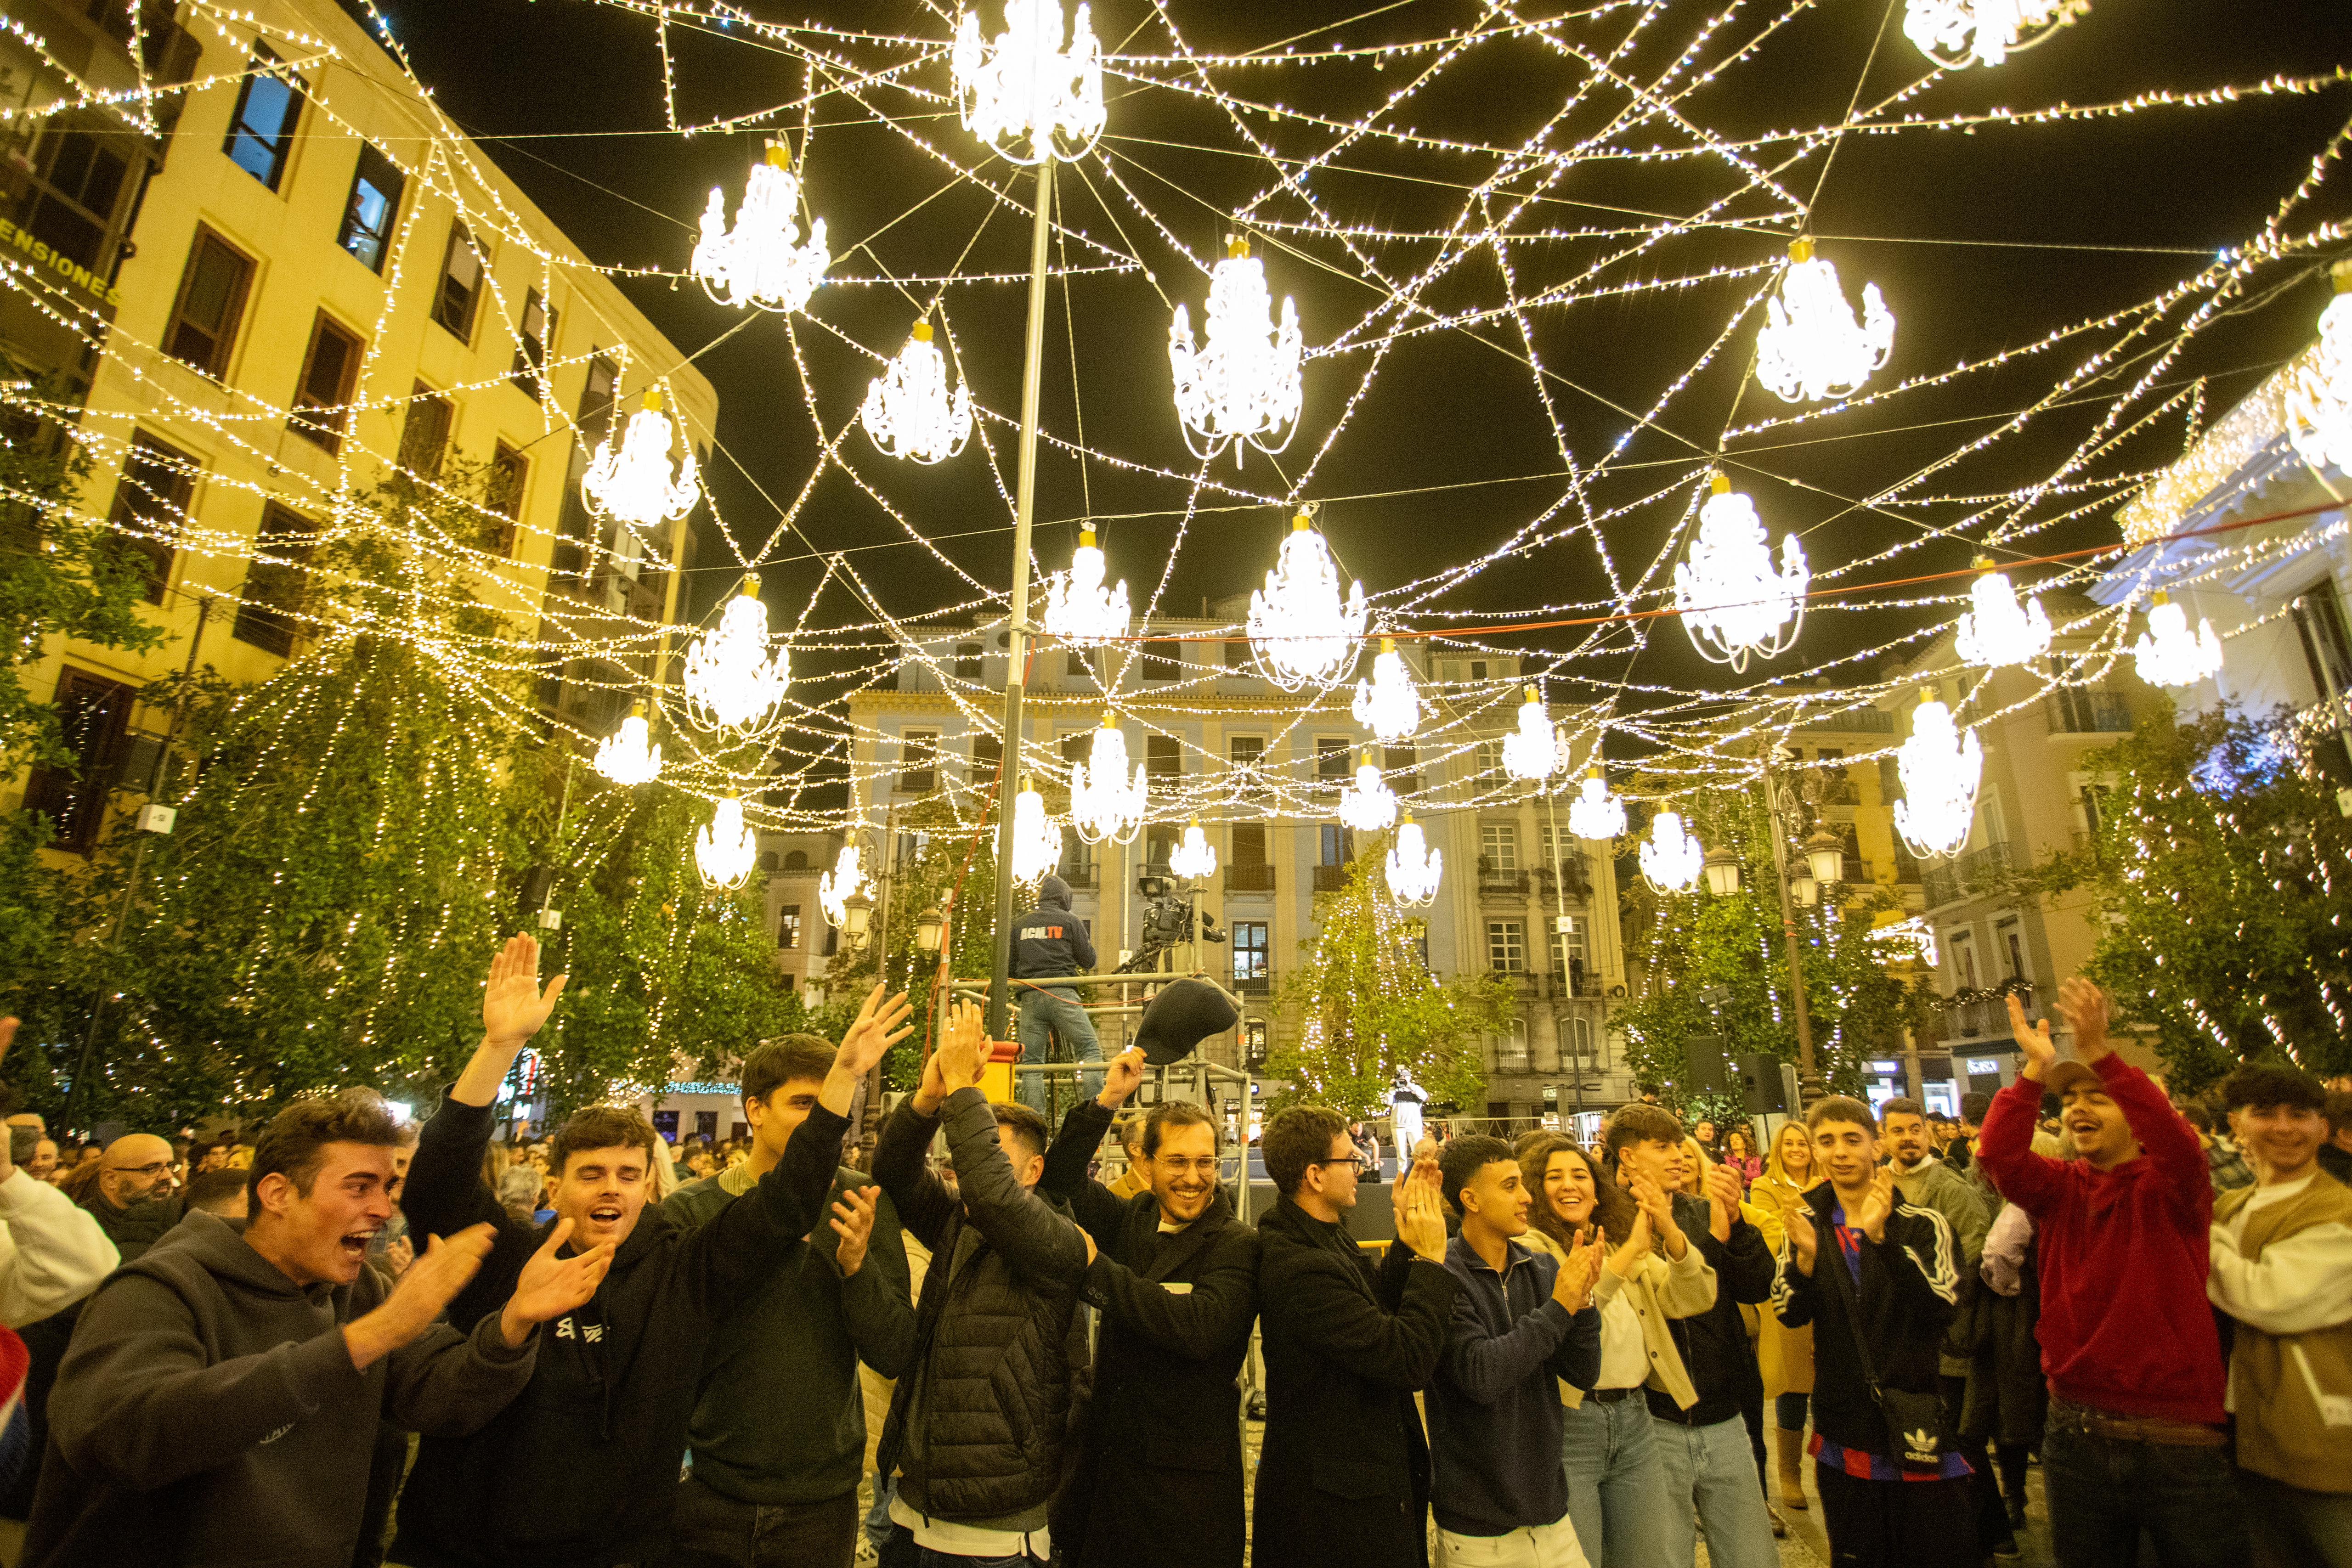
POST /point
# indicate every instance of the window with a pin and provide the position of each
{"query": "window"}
(1334, 844)
(1487, 760)
(1511, 1056)
(1568, 958)
(1237, 652)
(533, 334)
(1077, 867)
(1478, 669)
(594, 417)
(919, 761)
(461, 285)
(1248, 843)
(1163, 760)
(510, 474)
(987, 756)
(261, 131)
(1162, 663)
(1506, 946)
(2320, 622)
(1253, 1043)
(374, 204)
(211, 303)
(1251, 952)
(967, 662)
(788, 927)
(329, 373)
(151, 507)
(72, 206)
(425, 433)
(1081, 662)
(1962, 946)
(1403, 765)
(1159, 846)
(796, 860)
(274, 583)
(1579, 1038)
(1248, 752)
(1333, 762)
(1078, 746)
(1499, 847)
(93, 714)
(2009, 940)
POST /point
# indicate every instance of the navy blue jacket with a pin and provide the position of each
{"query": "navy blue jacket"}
(1049, 940)
(1494, 1418)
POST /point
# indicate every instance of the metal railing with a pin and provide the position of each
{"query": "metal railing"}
(1956, 878)
(1330, 878)
(2079, 710)
(1249, 878)
(1985, 1017)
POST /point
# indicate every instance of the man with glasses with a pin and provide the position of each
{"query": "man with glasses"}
(1344, 1476)
(1175, 1278)
(131, 1199)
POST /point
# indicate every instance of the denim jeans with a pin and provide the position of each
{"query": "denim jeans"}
(711, 1529)
(1712, 1468)
(901, 1551)
(2103, 1491)
(878, 1518)
(2296, 1529)
(1616, 1484)
(1054, 1011)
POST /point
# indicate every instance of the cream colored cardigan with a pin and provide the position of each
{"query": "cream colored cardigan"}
(1660, 1291)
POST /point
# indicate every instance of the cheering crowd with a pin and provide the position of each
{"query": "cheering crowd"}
(357, 1346)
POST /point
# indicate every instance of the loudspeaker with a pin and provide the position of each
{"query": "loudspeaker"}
(1759, 1085)
(537, 882)
(1707, 1068)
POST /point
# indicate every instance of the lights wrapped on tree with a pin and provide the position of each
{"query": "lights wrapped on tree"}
(631, 477)
(1303, 631)
(1532, 751)
(1940, 767)
(1671, 858)
(1959, 33)
(844, 882)
(1595, 813)
(1732, 602)
(1412, 867)
(2168, 655)
(2319, 392)
(1369, 805)
(1079, 609)
(731, 682)
(1106, 803)
(763, 260)
(1387, 704)
(1021, 91)
(1996, 631)
(1193, 858)
(909, 413)
(1036, 837)
(628, 756)
(726, 850)
(1244, 388)
(1813, 347)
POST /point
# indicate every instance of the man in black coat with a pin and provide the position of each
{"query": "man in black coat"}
(1175, 1277)
(1344, 1476)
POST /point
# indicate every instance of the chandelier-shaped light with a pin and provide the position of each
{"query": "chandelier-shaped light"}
(1733, 603)
(631, 477)
(1412, 867)
(731, 681)
(763, 260)
(1193, 860)
(1369, 805)
(909, 411)
(1106, 801)
(726, 850)
(1021, 91)
(1079, 609)
(1671, 857)
(1388, 703)
(1531, 751)
(1812, 345)
(1958, 33)
(1997, 631)
(2319, 393)
(1036, 837)
(628, 756)
(1940, 767)
(1304, 632)
(1595, 813)
(2168, 654)
(844, 882)
(1243, 390)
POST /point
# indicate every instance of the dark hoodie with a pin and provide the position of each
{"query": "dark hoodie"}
(1049, 940)
(208, 1411)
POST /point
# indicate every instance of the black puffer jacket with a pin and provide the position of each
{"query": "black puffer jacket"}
(1713, 1344)
(998, 1341)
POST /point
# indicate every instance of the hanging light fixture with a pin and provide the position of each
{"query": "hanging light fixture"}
(1997, 631)
(2319, 392)
(1021, 91)
(1304, 634)
(631, 477)
(1106, 803)
(1412, 867)
(1079, 609)
(1732, 602)
(1595, 813)
(1812, 345)
(1243, 390)
(1036, 837)
(1721, 867)
(844, 882)
(1387, 704)
(1193, 858)
(1940, 767)
(2168, 654)
(1956, 33)
(726, 850)
(763, 260)
(1671, 857)
(1530, 751)
(731, 682)
(628, 756)
(909, 413)
(1369, 805)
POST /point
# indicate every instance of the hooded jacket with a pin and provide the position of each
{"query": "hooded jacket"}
(208, 1411)
(1049, 940)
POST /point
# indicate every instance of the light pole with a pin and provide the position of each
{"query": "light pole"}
(1824, 859)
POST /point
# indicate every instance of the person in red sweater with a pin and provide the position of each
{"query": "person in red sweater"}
(2136, 1439)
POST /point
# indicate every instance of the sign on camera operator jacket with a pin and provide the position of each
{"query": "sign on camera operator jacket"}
(1049, 941)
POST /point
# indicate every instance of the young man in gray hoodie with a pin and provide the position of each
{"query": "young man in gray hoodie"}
(220, 1400)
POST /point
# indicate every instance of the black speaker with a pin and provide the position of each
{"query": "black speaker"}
(1759, 1085)
(537, 882)
(1707, 1068)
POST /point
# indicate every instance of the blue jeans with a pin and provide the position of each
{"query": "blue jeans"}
(1616, 1485)
(1053, 1011)
(2105, 1491)
(1714, 1468)
(878, 1518)
(900, 1552)
(2296, 1529)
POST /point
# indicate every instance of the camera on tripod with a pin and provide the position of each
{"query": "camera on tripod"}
(1167, 922)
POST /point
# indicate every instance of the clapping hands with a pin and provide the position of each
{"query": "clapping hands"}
(1573, 1289)
(1419, 1219)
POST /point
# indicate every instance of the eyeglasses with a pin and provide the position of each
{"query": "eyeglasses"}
(1353, 1162)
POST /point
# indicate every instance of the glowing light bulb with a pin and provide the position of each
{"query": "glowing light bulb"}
(1388, 703)
(844, 882)
(1412, 867)
(725, 851)
(1303, 632)
(2319, 392)
(1997, 631)
(1036, 837)
(1079, 609)
(1106, 803)
(1021, 91)
(1940, 767)
(2168, 655)
(1244, 388)
(909, 413)
(731, 683)
(1732, 602)
(763, 260)
(1370, 805)
(1194, 859)
(1671, 858)
(1956, 33)
(1812, 345)
(1531, 751)
(1595, 813)
(631, 477)
(628, 756)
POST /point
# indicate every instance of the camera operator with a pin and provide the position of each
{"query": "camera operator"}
(1049, 941)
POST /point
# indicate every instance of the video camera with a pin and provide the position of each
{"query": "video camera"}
(1167, 922)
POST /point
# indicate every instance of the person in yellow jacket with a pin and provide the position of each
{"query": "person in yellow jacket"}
(1785, 1354)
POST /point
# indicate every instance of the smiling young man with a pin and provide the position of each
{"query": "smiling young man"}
(2136, 1439)
(582, 1469)
(1175, 1278)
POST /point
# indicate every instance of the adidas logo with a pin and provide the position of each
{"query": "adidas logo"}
(1921, 1444)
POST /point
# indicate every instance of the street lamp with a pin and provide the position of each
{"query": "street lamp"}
(927, 929)
(1825, 852)
(1722, 871)
(858, 917)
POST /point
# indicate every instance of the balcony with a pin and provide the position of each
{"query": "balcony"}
(1258, 985)
(919, 780)
(1956, 878)
(1857, 721)
(1256, 878)
(1078, 877)
(1330, 878)
(1573, 873)
(1503, 883)
(1984, 1018)
(2079, 710)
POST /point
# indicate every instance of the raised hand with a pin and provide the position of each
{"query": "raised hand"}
(1722, 1184)
(1573, 1288)
(421, 1295)
(872, 1035)
(2084, 1008)
(1420, 1227)
(853, 1221)
(2033, 1039)
(1636, 1248)
(1120, 1078)
(550, 1286)
(513, 1006)
(963, 1053)
(1802, 1241)
(399, 1255)
(1877, 1206)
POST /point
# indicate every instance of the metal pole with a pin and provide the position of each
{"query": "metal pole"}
(1017, 647)
(1809, 1083)
(1559, 890)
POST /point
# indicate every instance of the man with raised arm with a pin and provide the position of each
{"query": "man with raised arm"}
(1175, 1278)
(2136, 1438)
(582, 1469)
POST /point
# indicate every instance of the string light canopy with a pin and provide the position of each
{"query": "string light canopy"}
(1106, 801)
(1959, 33)
(1995, 629)
(845, 880)
(1812, 348)
(1369, 805)
(1414, 868)
(732, 684)
(1732, 602)
(726, 850)
(2319, 392)
(1304, 634)
(1244, 388)
(1036, 837)
(1940, 767)
(1388, 703)
(1595, 813)
(2168, 654)
(1532, 751)
(1193, 858)
(763, 260)
(1022, 92)
(631, 477)
(1079, 609)
(628, 756)
(909, 411)
(1671, 858)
